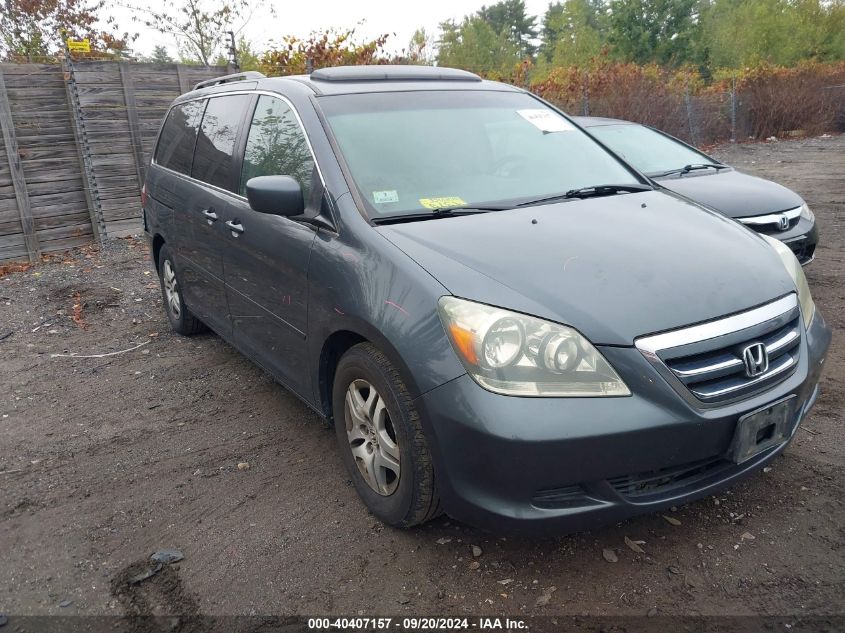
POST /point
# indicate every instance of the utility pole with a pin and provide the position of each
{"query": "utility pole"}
(233, 52)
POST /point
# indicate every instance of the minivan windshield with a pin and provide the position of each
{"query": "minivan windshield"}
(409, 152)
(651, 152)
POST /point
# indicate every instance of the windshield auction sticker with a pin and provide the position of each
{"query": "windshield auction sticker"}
(385, 197)
(546, 120)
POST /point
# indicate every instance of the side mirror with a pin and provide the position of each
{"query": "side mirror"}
(275, 195)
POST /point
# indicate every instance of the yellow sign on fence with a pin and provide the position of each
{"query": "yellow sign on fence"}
(79, 46)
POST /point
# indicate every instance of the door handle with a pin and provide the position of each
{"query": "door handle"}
(210, 215)
(235, 227)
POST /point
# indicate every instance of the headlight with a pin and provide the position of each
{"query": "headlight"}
(793, 267)
(806, 213)
(518, 355)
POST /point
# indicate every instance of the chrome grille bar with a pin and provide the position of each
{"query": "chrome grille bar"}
(705, 363)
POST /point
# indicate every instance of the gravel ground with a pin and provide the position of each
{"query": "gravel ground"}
(104, 460)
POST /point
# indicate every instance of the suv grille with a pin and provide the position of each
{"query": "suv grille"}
(707, 360)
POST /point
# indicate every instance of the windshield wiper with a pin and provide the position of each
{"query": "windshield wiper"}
(439, 212)
(588, 192)
(688, 168)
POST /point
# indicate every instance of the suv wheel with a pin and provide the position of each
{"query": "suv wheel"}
(181, 318)
(381, 440)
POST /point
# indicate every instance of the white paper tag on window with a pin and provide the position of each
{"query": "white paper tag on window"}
(383, 197)
(546, 120)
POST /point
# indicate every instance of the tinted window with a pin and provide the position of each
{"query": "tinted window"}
(645, 149)
(411, 151)
(178, 136)
(218, 133)
(276, 145)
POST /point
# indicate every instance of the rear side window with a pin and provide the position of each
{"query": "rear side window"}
(276, 146)
(176, 142)
(214, 156)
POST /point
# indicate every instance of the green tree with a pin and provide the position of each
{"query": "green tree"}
(573, 31)
(419, 48)
(474, 45)
(160, 56)
(740, 33)
(510, 18)
(666, 32)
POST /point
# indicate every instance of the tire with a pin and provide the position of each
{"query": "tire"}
(402, 499)
(180, 316)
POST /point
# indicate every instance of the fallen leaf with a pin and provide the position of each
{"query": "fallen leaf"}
(609, 555)
(671, 520)
(747, 536)
(545, 597)
(506, 581)
(634, 546)
(443, 541)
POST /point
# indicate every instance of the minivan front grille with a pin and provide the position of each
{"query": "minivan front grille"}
(707, 360)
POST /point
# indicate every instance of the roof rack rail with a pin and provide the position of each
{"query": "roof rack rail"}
(389, 72)
(247, 74)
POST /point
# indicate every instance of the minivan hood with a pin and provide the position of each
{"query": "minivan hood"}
(733, 193)
(614, 268)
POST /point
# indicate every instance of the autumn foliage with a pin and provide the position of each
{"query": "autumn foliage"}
(770, 100)
(294, 56)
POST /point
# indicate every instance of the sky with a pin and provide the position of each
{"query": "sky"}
(301, 18)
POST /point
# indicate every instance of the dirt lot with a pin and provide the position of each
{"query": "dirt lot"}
(104, 460)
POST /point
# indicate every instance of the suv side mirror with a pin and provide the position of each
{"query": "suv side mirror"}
(275, 195)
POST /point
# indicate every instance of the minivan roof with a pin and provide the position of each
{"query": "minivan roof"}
(363, 79)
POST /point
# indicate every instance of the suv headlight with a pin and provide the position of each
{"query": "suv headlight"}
(796, 271)
(806, 213)
(518, 355)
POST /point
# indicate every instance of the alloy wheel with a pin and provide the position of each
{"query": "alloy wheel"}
(171, 289)
(372, 437)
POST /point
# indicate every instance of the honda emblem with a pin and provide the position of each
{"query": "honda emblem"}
(756, 359)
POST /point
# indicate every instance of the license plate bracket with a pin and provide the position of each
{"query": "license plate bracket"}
(763, 429)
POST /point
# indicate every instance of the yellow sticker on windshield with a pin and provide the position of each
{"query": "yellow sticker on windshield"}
(439, 203)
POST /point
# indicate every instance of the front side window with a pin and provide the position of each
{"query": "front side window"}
(649, 151)
(178, 136)
(276, 146)
(413, 151)
(218, 133)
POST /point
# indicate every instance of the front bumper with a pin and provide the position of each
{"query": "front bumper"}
(556, 465)
(802, 239)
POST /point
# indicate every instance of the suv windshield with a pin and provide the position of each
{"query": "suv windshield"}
(409, 152)
(649, 151)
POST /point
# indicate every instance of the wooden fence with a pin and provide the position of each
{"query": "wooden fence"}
(76, 139)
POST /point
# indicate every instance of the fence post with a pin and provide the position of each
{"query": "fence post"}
(585, 94)
(183, 79)
(83, 151)
(688, 103)
(733, 109)
(18, 179)
(132, 117)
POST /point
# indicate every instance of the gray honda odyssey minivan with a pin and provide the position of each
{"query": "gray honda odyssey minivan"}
(503, 321)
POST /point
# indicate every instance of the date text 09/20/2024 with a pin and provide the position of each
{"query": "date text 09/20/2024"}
(417, 624)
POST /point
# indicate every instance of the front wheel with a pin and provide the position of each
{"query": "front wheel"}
(381, 440)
